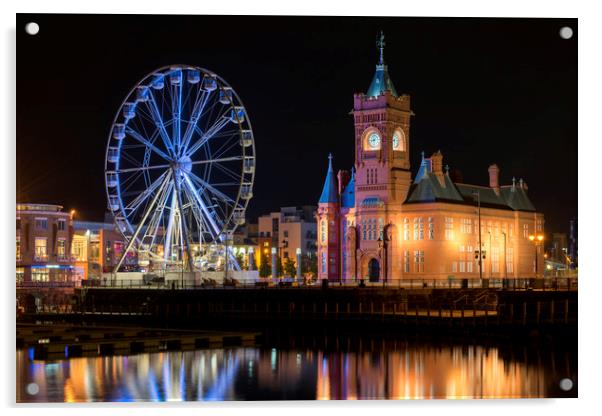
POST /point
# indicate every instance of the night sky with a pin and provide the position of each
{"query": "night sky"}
(484, 91)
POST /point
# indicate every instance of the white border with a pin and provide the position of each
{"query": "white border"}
(590, 182)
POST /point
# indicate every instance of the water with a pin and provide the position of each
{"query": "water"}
(398, 371)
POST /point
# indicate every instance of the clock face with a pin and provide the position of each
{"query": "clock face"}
(395, 141)
(374, 141)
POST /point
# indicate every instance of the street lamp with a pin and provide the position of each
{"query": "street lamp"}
(480, 252)
(383, 243)
(535, 239)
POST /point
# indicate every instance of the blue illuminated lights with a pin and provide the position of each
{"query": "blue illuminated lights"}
(181, 146)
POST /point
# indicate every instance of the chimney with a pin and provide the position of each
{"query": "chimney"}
(343, 177)
(437, 165)
(494, 178)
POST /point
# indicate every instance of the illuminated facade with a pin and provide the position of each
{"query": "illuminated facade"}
(43, 244)
(287, 230)
(378, 223)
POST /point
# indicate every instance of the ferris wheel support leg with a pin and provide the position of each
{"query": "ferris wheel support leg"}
(139, 228)
(184, 229)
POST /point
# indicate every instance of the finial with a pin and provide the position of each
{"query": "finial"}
(520, 183)
(447, 169)
(422, 154)
(329, 156)
(513, 182)
(353, 171)
(380, 44)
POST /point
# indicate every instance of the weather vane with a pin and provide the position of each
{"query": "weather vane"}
(380, 44)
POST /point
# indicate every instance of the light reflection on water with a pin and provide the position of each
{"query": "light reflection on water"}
(409, 372)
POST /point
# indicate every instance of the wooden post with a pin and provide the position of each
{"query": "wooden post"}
(552, 311)
(336, 311)
(416, 309)
(325, 309)
(474, 314)
(360, 310)
(566, 311)
(382, 312)
(395, 309)
(524, 313)
(371, 308)
(512, 313)
(537, 312)
(348, 309)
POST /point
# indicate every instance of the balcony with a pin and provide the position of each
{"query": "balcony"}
(40, 257)
(39, 285)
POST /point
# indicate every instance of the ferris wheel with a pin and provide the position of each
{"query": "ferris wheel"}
(180, 165)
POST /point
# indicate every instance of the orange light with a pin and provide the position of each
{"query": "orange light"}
(540, 237)
(532, 237)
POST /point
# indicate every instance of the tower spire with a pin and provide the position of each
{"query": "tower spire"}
(380, 44)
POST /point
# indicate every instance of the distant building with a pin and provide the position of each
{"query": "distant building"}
(97, 248)
(573, 252)
(287, 230)
(43, 244)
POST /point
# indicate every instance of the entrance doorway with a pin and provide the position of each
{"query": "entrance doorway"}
(373, 270)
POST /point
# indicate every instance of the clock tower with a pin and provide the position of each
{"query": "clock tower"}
(382, 145)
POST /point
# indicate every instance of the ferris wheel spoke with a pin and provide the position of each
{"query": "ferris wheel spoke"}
(228, 172)
(215, 230)
(134, 237)
(196, 211)
(135, 203)
(141, 168)
(156, 115)
(176, 107)
(208, 186)
(224, 159)
(220, 124)
(134, 134)
(197, 110)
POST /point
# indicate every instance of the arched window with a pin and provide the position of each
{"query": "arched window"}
(323, 232)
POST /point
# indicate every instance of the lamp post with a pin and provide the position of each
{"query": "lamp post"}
(480, 252)
(536, 239)
(383, 243)
(505, 253)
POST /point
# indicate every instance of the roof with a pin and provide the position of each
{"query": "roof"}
(330, 192)
(381, 82)
(348, 195)
(429, 189)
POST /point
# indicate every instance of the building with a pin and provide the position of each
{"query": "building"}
(377, 222)
(287, 230)
(97, 248)
(44, 235)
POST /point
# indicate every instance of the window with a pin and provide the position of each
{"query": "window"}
(466, 225)
(286, 254)
(510, 230)
(18, 250)
(469, 259)
(323, 232)
(449, 228)
(462, 260)
(286, 234)
(431, 229)
(495, 259)
(418, 261)
(41, 223)
(118, 248)
(406, 229)
(61, 248)
(40, 274)
(41, 248)
(406, 261)
(509, 260)
(418, 228)
(18, 223)
(78, 250)
(454, 267)
(61, 225)
(380, 227)
(525, 230)
(20, 274)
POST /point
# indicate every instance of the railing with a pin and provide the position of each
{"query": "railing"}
(45, 285)
(40, 257)
(522, 284)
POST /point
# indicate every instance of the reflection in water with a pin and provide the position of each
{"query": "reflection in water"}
(264, 374)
